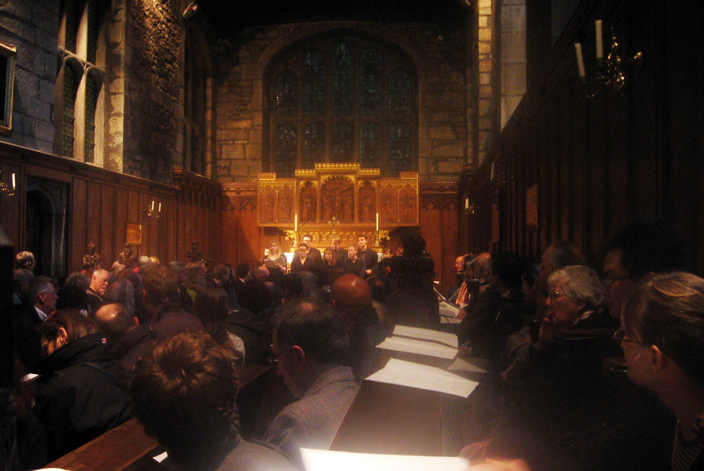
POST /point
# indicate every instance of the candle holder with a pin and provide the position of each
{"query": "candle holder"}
(151, 210)
(609, 71)
(5, 188)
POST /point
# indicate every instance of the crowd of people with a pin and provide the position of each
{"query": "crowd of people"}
(165, 343)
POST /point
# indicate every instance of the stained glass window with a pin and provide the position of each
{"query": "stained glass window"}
(69, 107)
(313, 144)
(286, 94)
(91, 101)
(340, 92)
(314, 83)
(286, 145)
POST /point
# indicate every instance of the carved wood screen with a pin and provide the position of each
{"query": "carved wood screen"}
(338, 199)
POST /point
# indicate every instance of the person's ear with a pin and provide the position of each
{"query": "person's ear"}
(62, 336)
(299, 356)
(658, 359)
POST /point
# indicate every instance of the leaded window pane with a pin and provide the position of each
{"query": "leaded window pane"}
(400, 92)
(92, 30)
(399, 147)
(343, 78)
(286, 144)
(313, 144)
(287, 94)
(371, 82)
(342, 142)
(314, 83)
(72, 19)
(68, 111)
(91, 101)
(371, 145)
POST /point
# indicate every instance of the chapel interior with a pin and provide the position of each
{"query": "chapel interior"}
(217, 126)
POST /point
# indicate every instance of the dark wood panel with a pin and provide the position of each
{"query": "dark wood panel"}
(77, 223)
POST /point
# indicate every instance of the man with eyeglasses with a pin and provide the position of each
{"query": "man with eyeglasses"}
(40, 293)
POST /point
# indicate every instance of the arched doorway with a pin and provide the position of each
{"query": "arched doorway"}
(45, 225)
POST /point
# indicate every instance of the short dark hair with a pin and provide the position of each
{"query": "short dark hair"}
(161, 286)
(508, 267)
(220, 271)
(412, 242)
(242, 270)
(667, 310)
(315, 327)
(185, 388)
(565, 253)
(649, 247)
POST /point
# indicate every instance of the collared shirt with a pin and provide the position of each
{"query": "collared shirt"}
(42, 315)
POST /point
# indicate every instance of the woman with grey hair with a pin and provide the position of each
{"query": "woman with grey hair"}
(575, 301)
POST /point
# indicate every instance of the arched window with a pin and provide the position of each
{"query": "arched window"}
(79, 91)
(340, 99)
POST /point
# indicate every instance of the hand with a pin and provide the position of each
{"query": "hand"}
(547, 333)
(500, 465)
(461, 314)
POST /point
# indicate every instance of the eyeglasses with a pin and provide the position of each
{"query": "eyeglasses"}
(273, 358)
(52, 293)
(555, 295)
(619, 337)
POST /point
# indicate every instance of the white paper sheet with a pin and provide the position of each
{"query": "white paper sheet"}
(324, 460)
(420, 347)
(445, 338)
(460, 364)
(448, 310)
(406, 373)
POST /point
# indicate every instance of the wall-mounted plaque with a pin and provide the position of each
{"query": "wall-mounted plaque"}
(134, 234)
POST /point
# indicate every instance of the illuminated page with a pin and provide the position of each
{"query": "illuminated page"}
(420, 347)
(426, 334)
(324, 460)
(406, 373)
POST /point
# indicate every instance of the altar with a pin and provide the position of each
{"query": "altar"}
(337, 200)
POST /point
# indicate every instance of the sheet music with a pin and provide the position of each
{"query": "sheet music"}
(427, 334)
(325, 460)
(461, 364)
(420, 347)
(406, 373)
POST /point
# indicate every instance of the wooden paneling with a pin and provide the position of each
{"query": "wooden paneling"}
(603, 162)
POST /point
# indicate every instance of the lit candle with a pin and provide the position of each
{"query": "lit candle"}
(159, 207)
(152, 205)
(13, 182)
(599, 40)
(580, 60)
(377, 222)
(466, 204)
(295, 223)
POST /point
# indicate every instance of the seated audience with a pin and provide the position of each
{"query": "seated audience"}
(211, 307)
(128, 340)
(184, 395)
(122, 292)
(25, 260)
(40, 295)
(161, 300)
(352, 297)
(662, 337)
(496, 312)
(98, 284)
(82, 392)
(310, 347)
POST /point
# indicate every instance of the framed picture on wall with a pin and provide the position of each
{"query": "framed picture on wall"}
(7, 85)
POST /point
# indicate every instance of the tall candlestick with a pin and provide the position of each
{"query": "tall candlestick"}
(295, 223)
(377, 222)
(152, 205)
(580, 60)
(159, 207)
(13, 182)
(466, 204)
(599, 40)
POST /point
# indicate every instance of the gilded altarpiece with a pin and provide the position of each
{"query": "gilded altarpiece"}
(338, 199)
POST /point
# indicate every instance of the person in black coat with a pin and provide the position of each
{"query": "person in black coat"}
(82, 392)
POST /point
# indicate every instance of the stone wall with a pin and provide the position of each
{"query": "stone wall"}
(32, 27)
(440, 61)
(154, 90)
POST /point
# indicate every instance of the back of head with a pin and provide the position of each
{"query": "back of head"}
(242, 270)
(412, 242)
(254, 296)
(76, 325)
(114, 320)
(565, 253)
(667, 310)
(160, 287)
(649, 247)
(36, 285)
(315, 327)
(507, 267)
(78, 279)
(220, 272)
(72, 297)
(350, 292)
(24, 260)
(211, 307)
(121, 291)
(184, 395)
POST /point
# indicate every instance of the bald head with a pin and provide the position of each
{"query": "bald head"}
(350, 292)
(114, 321)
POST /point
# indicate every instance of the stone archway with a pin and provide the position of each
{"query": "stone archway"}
(46, 225)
